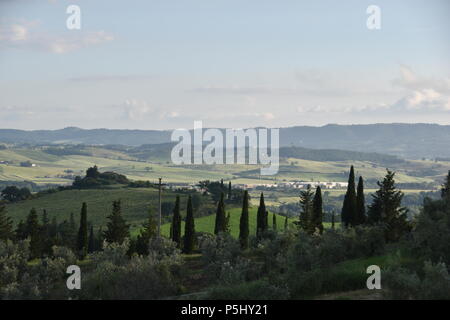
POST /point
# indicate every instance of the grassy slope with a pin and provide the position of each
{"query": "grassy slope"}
(135, 204)
(49, 166)
(206, 224)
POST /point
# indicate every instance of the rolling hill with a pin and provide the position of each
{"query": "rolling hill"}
(405, 140)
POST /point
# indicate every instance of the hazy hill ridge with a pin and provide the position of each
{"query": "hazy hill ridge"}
(404, 140)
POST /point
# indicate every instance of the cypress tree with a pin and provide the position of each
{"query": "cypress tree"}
(274, 222)
(100, 239)
(243, 223)
(82, 240)
(33, 231)
(176, 223)
(333, 220)
(317, 212)
(220, 224)
(189, 229)
(349, 207)
(148, 232)
(261, 218)
(53, 231)
(227, 223)
(286, 223)
(45, 220)
(445, 192)
(117, 228)
(47, 240)
(21, 232)
(6, 225)
(70, 233)
(91, 242)
(229, 190)
(360, 203)
(306, 205)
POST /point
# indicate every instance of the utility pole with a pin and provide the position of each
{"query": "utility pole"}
(159, 208)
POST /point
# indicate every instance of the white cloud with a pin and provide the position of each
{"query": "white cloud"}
(26, 35)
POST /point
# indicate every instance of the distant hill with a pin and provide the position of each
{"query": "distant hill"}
(404, 140)
(163, 150)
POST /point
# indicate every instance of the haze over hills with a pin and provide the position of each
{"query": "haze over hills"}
(403, 140)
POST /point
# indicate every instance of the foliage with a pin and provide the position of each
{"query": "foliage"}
(402, 283)
(189, 229)
(243, 223)
(220, 225)
(349, 211)
(386, 208)
(262, 218)
(117, 228)
(176, 223)
(14, 194)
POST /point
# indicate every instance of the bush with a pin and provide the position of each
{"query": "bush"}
(140, 278)
(223, 260)
(404, 283)
(116, 276)
(163, 249)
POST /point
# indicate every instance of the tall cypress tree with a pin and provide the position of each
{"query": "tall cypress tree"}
(360, 203)
(70, 238)
(227, 223)
(243, 223)
(306, 205)
(117, 228)
(349, 207)
(333, 217)
(317, 212)
(274, 222)
(189, 229)
(220, 225)
(229, 190)
(47, 240)
(82, 240)
(261, 218)
(286, 223)
(176, 223)
(91, 241)
(6, 225)
(33, 231)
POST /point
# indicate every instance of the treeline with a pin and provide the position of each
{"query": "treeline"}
(337, 155)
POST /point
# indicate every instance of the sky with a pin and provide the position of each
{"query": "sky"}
(163, 64)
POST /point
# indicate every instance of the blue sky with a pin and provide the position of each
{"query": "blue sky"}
(163, 64)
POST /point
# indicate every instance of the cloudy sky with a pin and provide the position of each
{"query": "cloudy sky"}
(159, 64)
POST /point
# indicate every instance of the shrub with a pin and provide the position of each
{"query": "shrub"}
(404, 283)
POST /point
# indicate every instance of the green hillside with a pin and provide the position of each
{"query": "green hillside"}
(206, 224)
(135, 204)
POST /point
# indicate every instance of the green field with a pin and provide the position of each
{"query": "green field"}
(206, 224)
(135, 204)
(50, 169)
